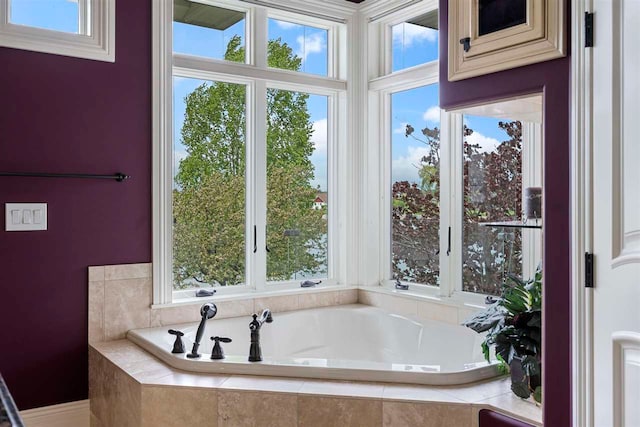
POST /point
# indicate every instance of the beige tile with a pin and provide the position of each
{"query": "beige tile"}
(349, 296)
(96, 311)
(94, 421)
(343, 412)
(178, 314)
(127, 271)
(480, 391)
(417, 393)
(126, 402)
(154, 318)
(96, 274)
(101, 383)
(114, 397)
(512, 405)
(250, 409)
(399, 414)
(123, 351)
(235, 308)
(190, 379)
(147, 371)
(438, 312)
(318, 299)
(127, 306)
(255, 383)
(277, 304)
(172, 406)
(342, 388)
(370, 298)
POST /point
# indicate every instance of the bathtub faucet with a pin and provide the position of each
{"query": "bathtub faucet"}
(207, 311)
(255, 352)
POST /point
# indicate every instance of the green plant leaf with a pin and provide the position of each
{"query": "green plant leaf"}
(537, 394)
(485, 351)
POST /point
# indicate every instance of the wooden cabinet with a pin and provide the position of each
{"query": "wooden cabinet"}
(486, 36)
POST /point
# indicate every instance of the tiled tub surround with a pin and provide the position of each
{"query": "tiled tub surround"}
(120, 299)
(130, 387)
(348, 342)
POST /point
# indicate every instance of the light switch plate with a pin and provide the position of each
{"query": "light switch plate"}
(25, 216)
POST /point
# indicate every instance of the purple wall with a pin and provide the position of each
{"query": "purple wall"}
(553, 79)
(494, 419)
(60, 114)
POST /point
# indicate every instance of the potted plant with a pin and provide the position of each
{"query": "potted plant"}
(513, 326)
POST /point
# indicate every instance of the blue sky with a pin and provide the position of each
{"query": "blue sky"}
(59, 15)
(411, 44)
(308, 43)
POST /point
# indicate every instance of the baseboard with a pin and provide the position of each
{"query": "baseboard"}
(72, 414)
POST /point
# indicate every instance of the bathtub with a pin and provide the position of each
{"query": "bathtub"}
(349, 342)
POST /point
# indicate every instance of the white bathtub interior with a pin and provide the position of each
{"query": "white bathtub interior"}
(351, 342)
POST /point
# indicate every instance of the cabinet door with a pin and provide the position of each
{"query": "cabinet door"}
(493, 419)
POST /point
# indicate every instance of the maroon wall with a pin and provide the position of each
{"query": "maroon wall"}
(60, 114)
(553, 79)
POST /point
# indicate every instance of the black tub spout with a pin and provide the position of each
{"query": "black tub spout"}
(255, 352)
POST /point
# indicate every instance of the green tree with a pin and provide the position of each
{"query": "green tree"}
(209, 200)
(492, 188)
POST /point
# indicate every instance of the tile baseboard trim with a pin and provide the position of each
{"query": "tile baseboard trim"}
(72, 414)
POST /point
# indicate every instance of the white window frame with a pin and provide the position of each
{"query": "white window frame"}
(258, 78)
(95, 40)
(382, 84)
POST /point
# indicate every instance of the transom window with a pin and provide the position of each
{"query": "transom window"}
(78, 28)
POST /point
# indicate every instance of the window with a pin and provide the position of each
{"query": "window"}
(307, 42)
(454, 181)
(56, 15)
(244, 158)
(209, 31)
(78, 28)
(415, 188)
(415, 41)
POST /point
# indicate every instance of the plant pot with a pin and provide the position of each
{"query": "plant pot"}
(518, 376)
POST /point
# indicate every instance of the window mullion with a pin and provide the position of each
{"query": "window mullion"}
(531, 177)
(257, 185)
(451, 203)
(259, 38)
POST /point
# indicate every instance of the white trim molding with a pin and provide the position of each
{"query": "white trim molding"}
(72, 414)
(96, 38)
(581, 222)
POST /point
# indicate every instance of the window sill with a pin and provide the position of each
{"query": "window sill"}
(252, 294)
(457, 300)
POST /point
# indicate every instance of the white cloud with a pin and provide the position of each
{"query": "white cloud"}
(432, 114)
(408, 34)
(486, 143)
(405, 168)
(319, 136)
(286, 25)
(402, 129)
(313, 43)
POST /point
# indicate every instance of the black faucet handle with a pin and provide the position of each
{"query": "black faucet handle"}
(178, 346)
(217, 353)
